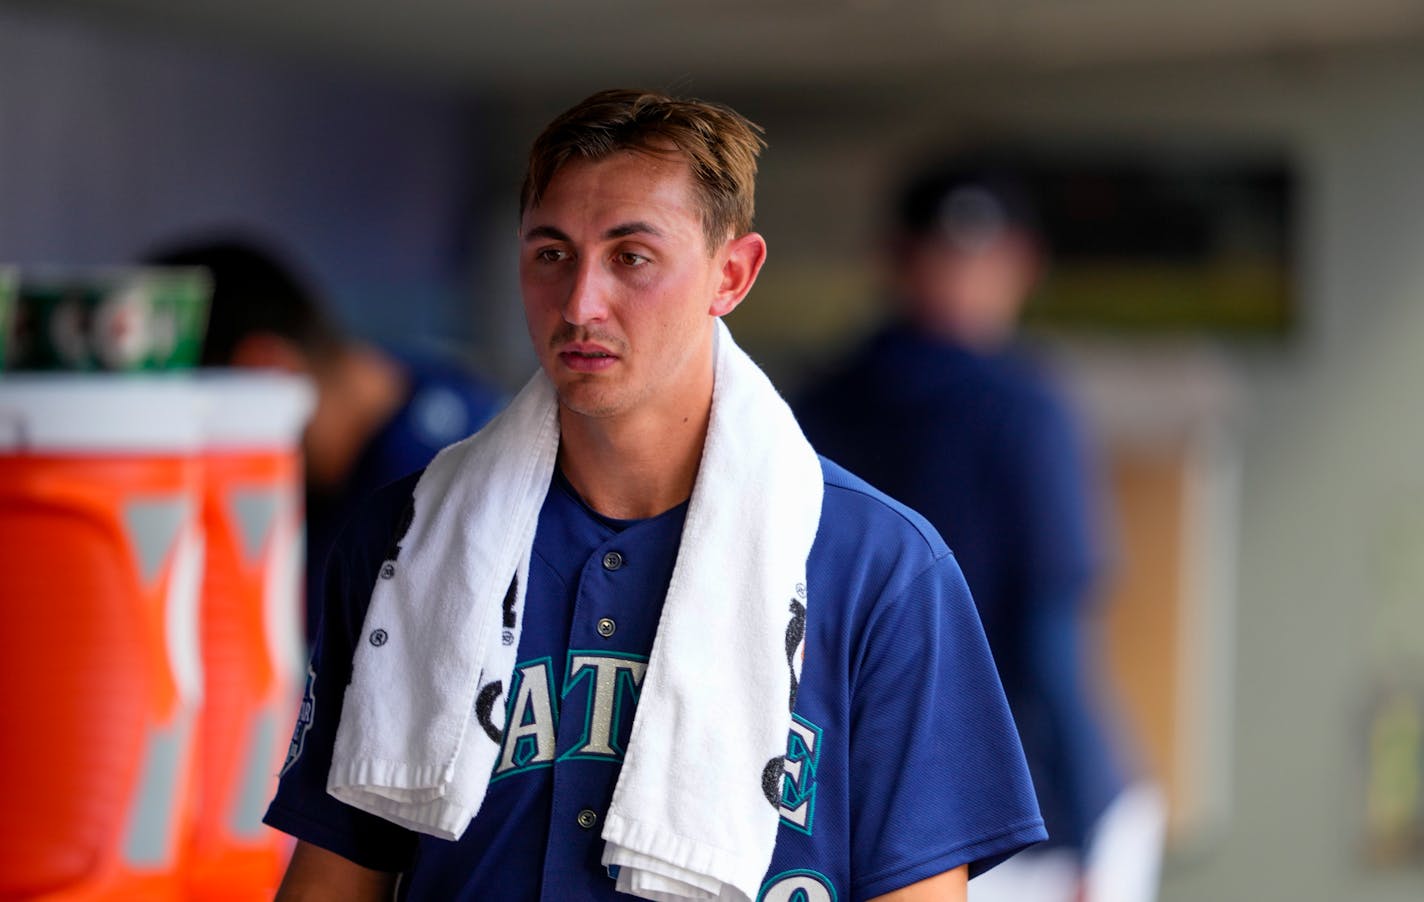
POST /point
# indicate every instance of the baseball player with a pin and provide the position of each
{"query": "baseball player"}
(379, 414)
(944, 410)
(902, 774)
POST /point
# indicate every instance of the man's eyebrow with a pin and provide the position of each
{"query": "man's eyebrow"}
(544, 231)
(633, 228)
(623, 230)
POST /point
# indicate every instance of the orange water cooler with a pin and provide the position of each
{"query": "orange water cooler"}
(254, 655)
(100, 668)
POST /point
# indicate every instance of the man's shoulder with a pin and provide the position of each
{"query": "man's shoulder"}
(371, 527)
(855, 514)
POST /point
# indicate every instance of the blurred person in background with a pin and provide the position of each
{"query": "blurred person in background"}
(379, 415)
(944, 412)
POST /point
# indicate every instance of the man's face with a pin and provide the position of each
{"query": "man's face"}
(619, 288)
(971, 294)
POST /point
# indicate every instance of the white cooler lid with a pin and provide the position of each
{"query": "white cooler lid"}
(100, 412)
(254, 408)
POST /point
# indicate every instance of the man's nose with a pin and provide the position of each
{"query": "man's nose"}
(587, 301)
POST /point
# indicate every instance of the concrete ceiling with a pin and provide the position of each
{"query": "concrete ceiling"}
(526, 45)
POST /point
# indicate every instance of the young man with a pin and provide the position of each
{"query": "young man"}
(673, 479)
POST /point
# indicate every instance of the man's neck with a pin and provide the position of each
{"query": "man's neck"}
(634, 468)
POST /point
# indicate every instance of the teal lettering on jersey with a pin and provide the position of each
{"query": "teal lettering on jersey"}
(612, 683)
(798, 886)
(798, 788)
(531, 720)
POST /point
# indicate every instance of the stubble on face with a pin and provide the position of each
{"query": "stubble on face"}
(588, 395)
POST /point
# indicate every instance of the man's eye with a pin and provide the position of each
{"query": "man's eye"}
(628, 258)
(549, 255)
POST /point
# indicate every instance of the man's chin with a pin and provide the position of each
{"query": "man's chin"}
(585, 402)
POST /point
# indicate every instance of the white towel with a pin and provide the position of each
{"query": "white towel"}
(695, 811)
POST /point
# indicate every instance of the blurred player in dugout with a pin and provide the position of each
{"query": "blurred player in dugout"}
(944, 412)
(379, 414)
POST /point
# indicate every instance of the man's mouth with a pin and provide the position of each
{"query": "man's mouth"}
(587, 358)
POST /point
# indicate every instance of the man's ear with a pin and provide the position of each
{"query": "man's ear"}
(742, 259)
(269, 351)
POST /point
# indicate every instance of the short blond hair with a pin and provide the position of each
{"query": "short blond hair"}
(720, 144)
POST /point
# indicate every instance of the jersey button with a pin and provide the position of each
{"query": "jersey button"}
(612, 560)
(606, 627)
(587, 818)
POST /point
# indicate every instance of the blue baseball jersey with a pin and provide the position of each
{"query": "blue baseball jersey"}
(901, 762)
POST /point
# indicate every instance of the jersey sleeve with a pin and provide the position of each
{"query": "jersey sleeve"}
(939, 778)
(302, 806)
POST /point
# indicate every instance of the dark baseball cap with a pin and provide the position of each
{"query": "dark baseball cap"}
(969, 202)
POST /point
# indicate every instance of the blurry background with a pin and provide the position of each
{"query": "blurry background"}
(1268, 625)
